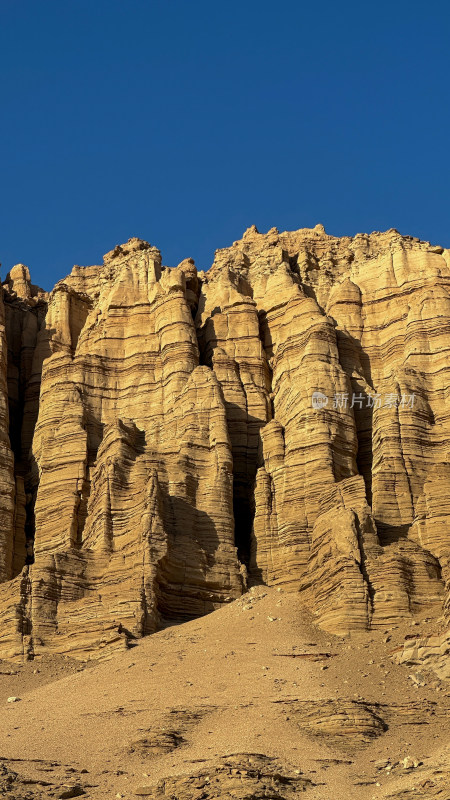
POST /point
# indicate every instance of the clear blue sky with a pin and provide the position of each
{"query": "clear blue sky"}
(185, 121)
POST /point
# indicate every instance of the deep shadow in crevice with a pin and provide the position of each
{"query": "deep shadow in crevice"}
(243, 428)
(363, 567)
(352, 356)
(388, 534)
(355, 362)
(183, 595)
(310, 292)
(364, 455)
(25, 359)
(244, 512)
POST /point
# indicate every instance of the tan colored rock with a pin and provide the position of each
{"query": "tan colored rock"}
(134, 508)
(432, 652)
(22, 311)
(241, 775)
(7, 483)
(170, 435)
(347, 724)
(20, 281)
(363, 347)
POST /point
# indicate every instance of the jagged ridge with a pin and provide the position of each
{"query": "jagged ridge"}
(162, 449)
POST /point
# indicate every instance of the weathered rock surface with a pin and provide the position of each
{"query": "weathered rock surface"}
(161, 739)
(243, 776)
(431, 651)
(347, 724)
(168, 436)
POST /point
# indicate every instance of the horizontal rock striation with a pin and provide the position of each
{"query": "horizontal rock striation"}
(170, 436)
(243, 776)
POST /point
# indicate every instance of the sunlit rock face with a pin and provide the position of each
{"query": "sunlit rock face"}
(169, 437)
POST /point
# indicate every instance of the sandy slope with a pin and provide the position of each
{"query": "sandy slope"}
(229, 684)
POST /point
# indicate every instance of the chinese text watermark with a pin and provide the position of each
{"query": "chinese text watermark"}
(343, 400)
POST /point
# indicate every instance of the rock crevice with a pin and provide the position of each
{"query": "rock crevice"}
(170, 436)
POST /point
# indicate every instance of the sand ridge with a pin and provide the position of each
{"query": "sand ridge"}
(243, 680)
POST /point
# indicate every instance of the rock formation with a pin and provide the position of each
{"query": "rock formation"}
(170, 437)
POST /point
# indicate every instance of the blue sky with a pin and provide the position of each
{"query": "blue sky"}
(183, 122)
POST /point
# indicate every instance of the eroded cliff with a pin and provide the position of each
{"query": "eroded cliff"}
(170, 437)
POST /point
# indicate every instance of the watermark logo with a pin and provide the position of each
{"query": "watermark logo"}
(319, 400)
(343, 400)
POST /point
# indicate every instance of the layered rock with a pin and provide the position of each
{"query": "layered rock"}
(347, 724)
(22, 310)
(348, 319)
(241, 775)
(7, 485)
(134, 506)
(170, 435)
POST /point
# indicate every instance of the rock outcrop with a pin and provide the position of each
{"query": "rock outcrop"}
(169, 437)
(241, 775)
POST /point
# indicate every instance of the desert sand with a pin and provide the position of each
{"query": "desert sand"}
(224, 516)
(247, 693)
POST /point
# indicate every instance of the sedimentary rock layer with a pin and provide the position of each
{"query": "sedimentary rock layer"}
(169, 436)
